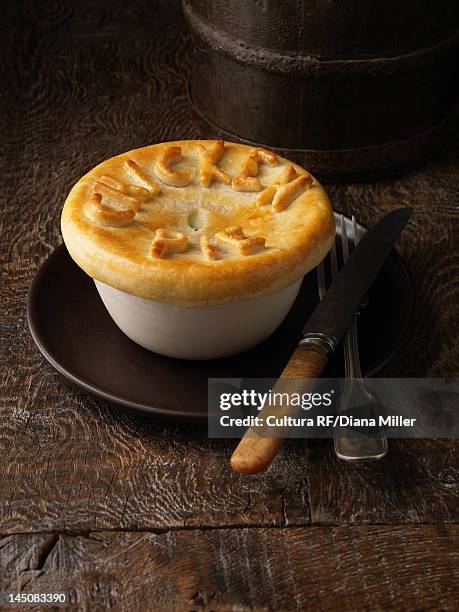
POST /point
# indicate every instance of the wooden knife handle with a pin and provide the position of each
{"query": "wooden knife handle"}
(256, 449)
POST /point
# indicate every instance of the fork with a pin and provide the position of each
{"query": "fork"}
(355, 447)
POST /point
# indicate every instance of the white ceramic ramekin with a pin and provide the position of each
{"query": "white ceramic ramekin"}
(197, 332)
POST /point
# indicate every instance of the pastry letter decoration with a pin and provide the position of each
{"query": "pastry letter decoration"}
(111, 188)
(109, 216)
(168, 241)
(234, 239)
(133, 191)
(245, 179)
(208, 158)
(136, 171)
(176, 178)
(289, 191)
(208, 249)
(287, 187)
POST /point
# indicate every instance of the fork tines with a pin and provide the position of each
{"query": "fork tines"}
(347, 238)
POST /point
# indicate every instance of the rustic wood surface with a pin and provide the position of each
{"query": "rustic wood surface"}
(366, 568)
(118, 511)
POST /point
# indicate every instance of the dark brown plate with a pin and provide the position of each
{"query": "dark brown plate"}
(76, 335)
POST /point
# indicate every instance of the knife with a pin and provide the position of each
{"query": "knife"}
(321, 334)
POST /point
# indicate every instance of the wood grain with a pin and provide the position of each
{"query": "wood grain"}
(79, 465)
(84, 81)
(366, 568)
(415, 483)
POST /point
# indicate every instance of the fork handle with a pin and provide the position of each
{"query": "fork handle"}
(363, 447)
(260, 445)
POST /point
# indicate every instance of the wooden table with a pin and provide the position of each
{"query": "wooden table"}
(116, 511)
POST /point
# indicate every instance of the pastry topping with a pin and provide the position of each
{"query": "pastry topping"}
(289, 191)
(267, 195)
(245, 179)
(168, 241)
(265, 156)
(193, 245)
(287, 187)
(208, 158)
(208, 249)
(245, 183)
(236, 241)
(126, 194)
(109, 216)
(287, 175)
(136, 171)
(176, 178)
(134, 191)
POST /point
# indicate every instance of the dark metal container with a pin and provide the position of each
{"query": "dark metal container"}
(353, 89)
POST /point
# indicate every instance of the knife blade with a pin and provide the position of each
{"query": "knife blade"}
(332, 316)
(321, 335)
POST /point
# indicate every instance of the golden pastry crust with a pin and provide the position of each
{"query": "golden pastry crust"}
(164, 223)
